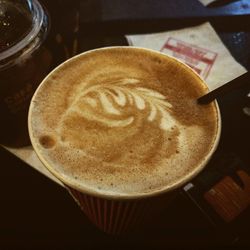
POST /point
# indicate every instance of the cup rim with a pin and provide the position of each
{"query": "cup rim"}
(37, 23)
(116, 196)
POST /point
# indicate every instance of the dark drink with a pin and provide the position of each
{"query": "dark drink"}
(24, 62)
(15, 23)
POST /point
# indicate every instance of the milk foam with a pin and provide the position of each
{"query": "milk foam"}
(113, 97)
(122, 121)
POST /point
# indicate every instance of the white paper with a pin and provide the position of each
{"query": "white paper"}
(206, 2)
(199, 47)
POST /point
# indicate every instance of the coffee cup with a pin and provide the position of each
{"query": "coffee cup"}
(121, 128)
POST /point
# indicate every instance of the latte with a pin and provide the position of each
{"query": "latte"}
(123, 121)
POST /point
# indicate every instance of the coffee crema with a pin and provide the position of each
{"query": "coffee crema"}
(122, 121)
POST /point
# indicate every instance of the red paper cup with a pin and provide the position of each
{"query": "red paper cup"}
(114, 216)
(111, 216)
(116, 213)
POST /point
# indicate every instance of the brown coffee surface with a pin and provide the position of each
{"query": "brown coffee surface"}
(122, 121)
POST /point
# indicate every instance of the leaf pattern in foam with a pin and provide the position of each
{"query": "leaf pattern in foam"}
(152, 93)
(119, 97)
(107, 104)
(114, 95)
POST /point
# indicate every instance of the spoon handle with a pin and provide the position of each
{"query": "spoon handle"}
(224, 89)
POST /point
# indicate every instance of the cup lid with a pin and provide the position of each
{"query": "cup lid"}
(30, 12)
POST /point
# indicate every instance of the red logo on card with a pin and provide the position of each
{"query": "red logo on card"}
(199, 59)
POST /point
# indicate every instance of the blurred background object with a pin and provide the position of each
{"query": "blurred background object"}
(64, 30)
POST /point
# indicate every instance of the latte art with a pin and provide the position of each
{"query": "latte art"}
(112, 97)
(122, 121)
(117, 109)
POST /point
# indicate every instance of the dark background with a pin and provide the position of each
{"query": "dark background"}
(36, 213)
